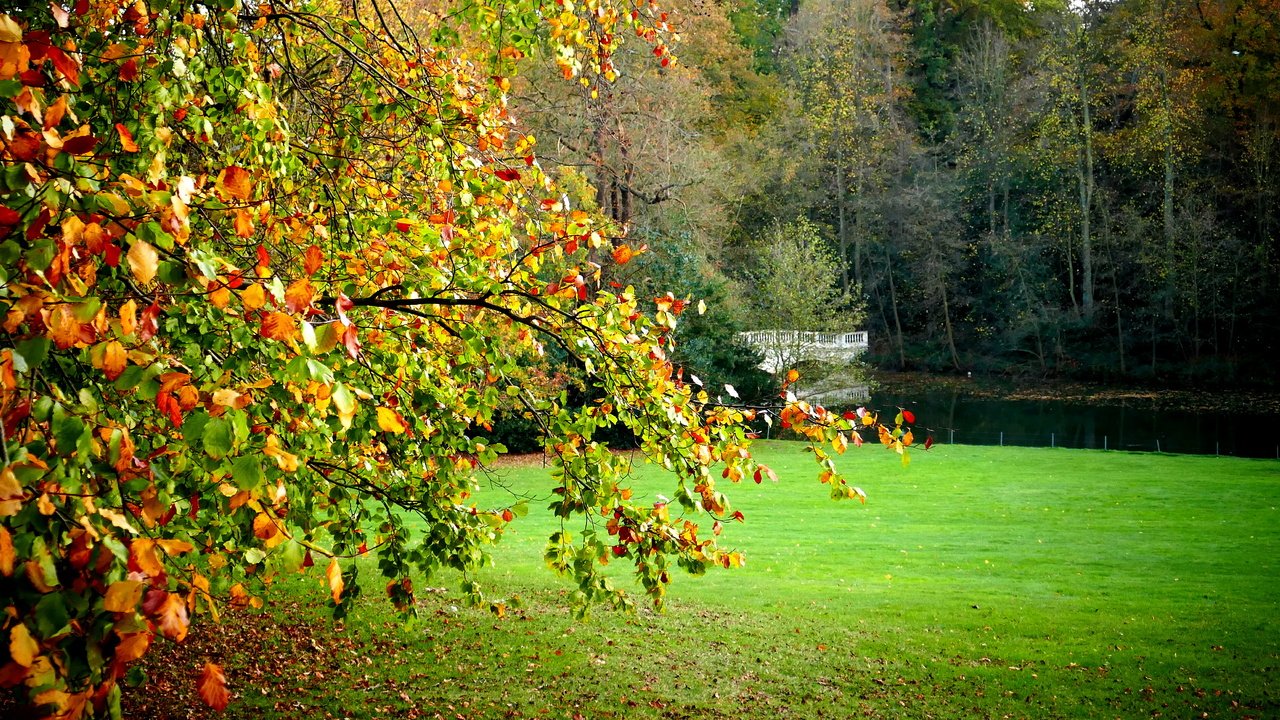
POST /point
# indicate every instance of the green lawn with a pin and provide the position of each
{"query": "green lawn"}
(978, 582)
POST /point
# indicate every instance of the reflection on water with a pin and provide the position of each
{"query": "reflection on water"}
(952, 417)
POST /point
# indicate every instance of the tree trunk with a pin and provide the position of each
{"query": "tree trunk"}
(842, 232)
(1086, 199)
(893, 301)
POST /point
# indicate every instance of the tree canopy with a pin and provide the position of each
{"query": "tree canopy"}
(269, 272)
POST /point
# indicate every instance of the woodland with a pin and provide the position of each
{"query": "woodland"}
(1083, 190)
(281, 281)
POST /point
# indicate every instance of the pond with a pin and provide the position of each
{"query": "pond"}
(951, 416)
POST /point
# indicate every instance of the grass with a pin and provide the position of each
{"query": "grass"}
(978, 582)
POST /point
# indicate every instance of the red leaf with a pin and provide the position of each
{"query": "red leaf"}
(65, 64)
(213, 687)
(113, 255)
(9, 216)
(928, 442)
(307, 560)
(149, 323)
(79, 145)
(351, 342)
(850, 415)
(25, 147)
(909, 416)
(508, 175)
(32, 78)
(129, 73)
(264, 260)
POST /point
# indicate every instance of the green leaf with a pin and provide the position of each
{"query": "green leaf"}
(247, 472)
(217, 438)
(32, 352)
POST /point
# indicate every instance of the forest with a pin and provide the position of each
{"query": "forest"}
(1082, 190)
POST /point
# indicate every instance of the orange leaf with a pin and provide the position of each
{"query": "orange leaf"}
(312, 259)
(128, 318)
(172, 620)
(622, 254)
(142, 555)
(143, 261)
(298, 296)
(55, 112)
(264, 527)
(236, 182)
(123, 596)
(391, 421)
(279, 326)
(243, 223)
(334, 575)
(213, 687)
(126, 138)
(64, 328)
(132, 647)
(114, 360)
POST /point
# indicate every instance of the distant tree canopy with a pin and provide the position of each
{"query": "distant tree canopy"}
(269, 274)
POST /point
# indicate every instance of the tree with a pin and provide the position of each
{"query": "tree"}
(796, 288)
(269, 272)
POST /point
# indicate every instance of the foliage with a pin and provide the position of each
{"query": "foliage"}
(270, 273)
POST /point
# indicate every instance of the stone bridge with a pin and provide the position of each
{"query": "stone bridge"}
(783, 349)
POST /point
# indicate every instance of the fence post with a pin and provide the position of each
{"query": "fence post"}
(1104, 442)
(1053, 441)
(1001, 438)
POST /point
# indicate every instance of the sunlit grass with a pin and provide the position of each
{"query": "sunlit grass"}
(978, 582)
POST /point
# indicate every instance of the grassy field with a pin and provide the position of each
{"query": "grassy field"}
(978, 582)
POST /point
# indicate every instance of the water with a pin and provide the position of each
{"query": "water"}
(952, 417)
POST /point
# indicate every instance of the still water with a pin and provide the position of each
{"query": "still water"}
(953, 417)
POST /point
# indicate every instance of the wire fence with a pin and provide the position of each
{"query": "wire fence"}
(1106, 441)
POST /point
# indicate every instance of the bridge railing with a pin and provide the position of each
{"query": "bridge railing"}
(767, 338)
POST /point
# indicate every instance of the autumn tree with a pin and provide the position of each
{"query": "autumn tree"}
(269, 273)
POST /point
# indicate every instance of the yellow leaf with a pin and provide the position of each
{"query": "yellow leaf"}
(22, 647)
(391, 421)
(334, 575)
(253, 297)
(7, 554)
(143, 261)
(10, 31)
(123, 596)
(285, 460)
(10, 493)
(173, 546)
